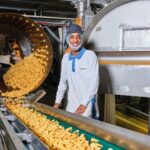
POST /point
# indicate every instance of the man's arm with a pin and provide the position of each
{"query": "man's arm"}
(62, 85)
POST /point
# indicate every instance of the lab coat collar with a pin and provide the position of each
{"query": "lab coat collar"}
(78, 56)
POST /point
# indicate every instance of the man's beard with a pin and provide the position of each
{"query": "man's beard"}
(73, 47)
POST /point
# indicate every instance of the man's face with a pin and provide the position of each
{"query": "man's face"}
(75, 39)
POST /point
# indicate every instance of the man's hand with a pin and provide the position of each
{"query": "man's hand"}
(80, 110)
(56, 105)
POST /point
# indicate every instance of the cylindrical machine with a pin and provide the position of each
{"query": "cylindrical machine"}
(31, 38)
(120, 35)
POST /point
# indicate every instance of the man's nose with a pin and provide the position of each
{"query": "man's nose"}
(76, 39)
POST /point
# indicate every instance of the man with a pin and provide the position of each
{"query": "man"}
(80, 75)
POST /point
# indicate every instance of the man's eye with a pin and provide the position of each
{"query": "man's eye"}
(75, 37)
(71, 37)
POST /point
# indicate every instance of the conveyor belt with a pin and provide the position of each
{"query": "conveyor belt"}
(124, 138)
(106, 145)
(89, 136)
(108, 135)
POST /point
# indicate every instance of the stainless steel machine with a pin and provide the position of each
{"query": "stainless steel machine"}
(120, 35)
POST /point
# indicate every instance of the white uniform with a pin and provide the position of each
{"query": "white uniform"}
(80, 74)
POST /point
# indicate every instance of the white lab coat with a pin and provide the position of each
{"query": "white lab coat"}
(82, 80)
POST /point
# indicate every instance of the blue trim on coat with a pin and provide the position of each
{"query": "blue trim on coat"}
(73, 65)
(94, 112)
(93, 107)
(73, 58)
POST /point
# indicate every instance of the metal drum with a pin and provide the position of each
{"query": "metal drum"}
(30, 35)
(120, 35)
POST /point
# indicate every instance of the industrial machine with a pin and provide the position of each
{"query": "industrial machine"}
(29, 36)
(123, 57)
(110, 136)
(119, 34)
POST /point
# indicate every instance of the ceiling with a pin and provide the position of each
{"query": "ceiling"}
(52, 8)
(40, 7)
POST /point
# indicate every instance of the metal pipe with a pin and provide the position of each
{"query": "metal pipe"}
(103, 2)
(33, 2)
(88, 3)
(49, 23)
(16, 8)
(48, 17)
(52, 34)
(138, 111)
(80, 9)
